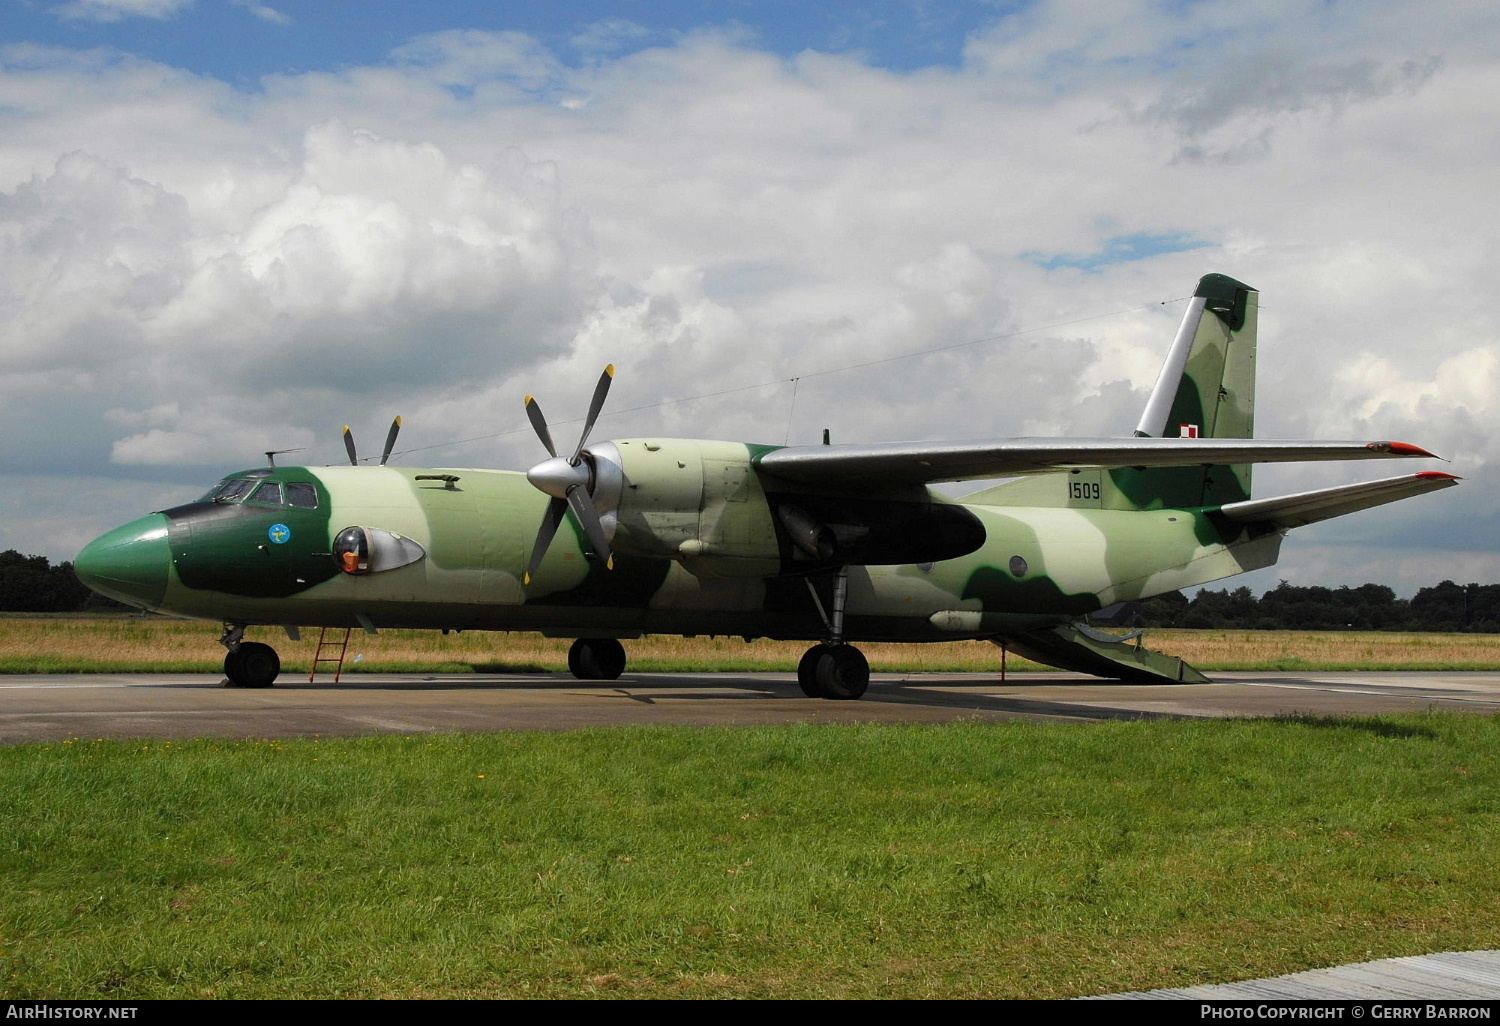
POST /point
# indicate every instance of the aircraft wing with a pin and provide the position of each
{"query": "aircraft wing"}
(915, 463)
(1309, 507)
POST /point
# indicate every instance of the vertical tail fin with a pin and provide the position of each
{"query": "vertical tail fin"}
(1206, 389)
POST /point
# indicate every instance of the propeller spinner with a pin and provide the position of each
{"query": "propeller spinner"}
(390, 443)
(570, 481)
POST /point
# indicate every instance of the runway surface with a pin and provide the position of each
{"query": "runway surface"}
(1450, 976)
(55, 707)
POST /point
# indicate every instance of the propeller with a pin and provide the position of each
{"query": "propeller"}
(569, 480)
(390, 440)
(390, 443)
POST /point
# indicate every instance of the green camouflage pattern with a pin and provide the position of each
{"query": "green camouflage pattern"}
(704, 543)
(476, 534)
(1215, 396)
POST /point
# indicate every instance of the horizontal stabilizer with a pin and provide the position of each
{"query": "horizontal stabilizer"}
(1309, 507)
(916, 463)
(1080, 647)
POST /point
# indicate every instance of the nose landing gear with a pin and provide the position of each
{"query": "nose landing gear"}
(596, 659)
(833, 671)
(248, 664)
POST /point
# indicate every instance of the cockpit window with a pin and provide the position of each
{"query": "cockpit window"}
(268, 494)
(232, 490)
(302, 495)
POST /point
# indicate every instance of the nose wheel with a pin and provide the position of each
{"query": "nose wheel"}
(252, 665)
(596, 659)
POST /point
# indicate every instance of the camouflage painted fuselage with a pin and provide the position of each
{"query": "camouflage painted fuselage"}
(700, 552)
(730, 538)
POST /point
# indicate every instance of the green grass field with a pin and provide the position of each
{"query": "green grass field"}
(967, 860)
(121, 644)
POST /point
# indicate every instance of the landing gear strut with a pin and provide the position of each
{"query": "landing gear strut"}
(833, 669)
(248, 664)
(596, 659)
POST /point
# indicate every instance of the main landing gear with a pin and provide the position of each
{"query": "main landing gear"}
(596, 659)
(833, 669)
(248, 664)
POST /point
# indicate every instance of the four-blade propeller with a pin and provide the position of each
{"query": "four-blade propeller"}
(390, 443)
(569, 480)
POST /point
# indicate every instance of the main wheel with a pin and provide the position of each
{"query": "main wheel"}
(807, 672)
(253, 666)
(596, 659)
(843, 672)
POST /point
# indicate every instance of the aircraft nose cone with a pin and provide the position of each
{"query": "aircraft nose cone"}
(557, 475)
(130, 563)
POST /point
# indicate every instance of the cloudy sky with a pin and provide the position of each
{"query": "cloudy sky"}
(229, 226)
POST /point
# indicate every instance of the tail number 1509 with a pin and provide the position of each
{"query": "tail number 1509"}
(1083, 489)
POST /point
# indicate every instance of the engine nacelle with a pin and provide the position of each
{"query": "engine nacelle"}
(695, 501)
(705, 503)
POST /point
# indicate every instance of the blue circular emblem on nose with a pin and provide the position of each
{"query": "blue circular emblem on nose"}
(280, 534)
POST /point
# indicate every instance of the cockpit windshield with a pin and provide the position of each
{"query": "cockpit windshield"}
(297, 494)
(231, 489)
(268, 494)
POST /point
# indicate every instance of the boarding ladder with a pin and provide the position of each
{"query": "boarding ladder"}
(330, 645)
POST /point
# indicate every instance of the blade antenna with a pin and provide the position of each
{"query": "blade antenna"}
(271, 454)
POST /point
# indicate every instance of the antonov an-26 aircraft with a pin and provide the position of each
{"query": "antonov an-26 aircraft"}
(831, 544)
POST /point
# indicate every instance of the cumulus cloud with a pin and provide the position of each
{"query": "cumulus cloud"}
(378, 268)
(438, 234)
(468, 57)
(116, 10)
(264, 13)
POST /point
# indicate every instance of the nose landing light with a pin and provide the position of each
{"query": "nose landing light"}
(130, 563)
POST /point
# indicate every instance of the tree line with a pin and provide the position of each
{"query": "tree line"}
(30, 584)
(1471, 608)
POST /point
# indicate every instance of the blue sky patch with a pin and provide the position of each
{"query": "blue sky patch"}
(1120, 249)
(240, 41)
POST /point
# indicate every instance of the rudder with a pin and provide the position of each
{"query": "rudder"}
(1206, 389)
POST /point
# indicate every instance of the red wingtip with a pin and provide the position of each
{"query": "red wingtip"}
(1437, 475)
(1402, 449)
